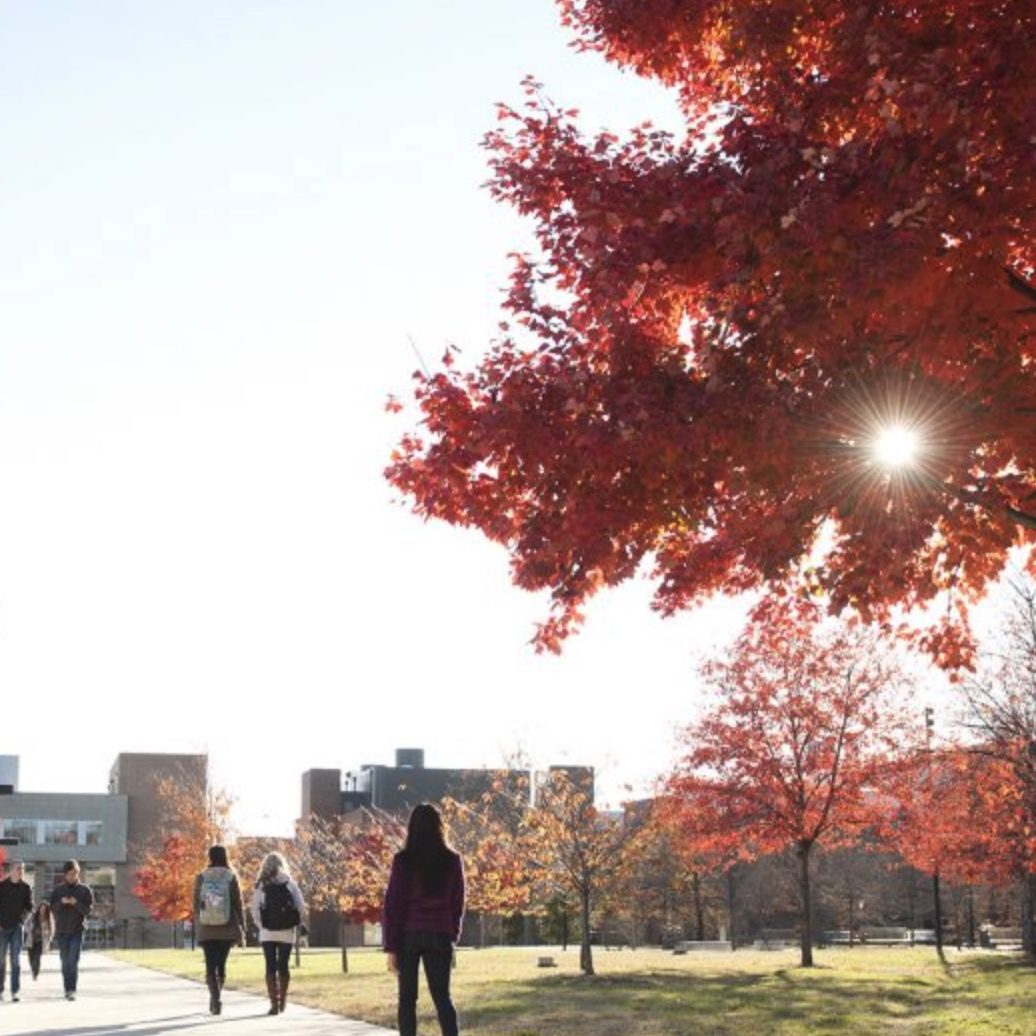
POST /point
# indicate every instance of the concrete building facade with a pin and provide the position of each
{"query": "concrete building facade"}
(135, 776)
(52, 827)
(105, 832)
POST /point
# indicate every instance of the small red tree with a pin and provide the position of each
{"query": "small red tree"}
(165, 879)
(932, 822)
(343, 864)
(796, 746)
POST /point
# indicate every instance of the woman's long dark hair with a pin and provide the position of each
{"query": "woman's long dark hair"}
(426, 852)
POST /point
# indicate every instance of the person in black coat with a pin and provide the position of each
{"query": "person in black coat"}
(15, 907)
(70, 903)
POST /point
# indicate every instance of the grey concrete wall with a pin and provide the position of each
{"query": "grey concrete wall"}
(111, 810)
(321, 793)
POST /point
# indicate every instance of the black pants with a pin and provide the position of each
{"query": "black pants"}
(277, 956)
(216, 952)
(436, 950)
(35, 952)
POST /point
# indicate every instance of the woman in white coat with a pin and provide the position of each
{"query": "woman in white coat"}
(277, 910)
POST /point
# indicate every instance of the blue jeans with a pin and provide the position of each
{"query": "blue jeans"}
(11, 942)
(70, 947)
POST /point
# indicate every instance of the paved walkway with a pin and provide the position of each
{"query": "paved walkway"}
(117, 999)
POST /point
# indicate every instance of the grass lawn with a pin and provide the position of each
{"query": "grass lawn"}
(501, 992)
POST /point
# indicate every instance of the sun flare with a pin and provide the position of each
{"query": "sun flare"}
(895, 446)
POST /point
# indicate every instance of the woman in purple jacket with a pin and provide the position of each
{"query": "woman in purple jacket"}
(424, 906)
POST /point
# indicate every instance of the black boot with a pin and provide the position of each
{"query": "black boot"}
(282, 993)
(271, 989)
(214, 1002)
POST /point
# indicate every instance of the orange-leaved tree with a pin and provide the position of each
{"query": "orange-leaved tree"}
(492, 834)
(192, 817)
(796, 749)
(574, 845)
(729, 337)
(343, 864)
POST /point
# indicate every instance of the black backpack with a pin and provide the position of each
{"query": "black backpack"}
(278, 911)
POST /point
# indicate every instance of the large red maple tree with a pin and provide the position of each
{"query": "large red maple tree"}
(796, 751)
(718, 327)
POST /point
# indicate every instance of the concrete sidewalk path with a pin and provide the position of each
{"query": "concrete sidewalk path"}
(117, 999)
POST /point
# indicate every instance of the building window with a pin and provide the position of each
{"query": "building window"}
(52, 875)
(55, 832)
(102, 883)
(23, 830)
(59, 832)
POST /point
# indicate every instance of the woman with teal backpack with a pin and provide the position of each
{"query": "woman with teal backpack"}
(219, 919)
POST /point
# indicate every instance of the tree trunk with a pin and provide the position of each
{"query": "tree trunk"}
(586, 957)
(730, 907)
(564, 930)
(1029, 916)
(341, 939)
(937, 897)
(807, 905)
(971, 916)
(852, 919)
(699, 913)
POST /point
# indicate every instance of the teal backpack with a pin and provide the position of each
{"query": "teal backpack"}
(215, 896)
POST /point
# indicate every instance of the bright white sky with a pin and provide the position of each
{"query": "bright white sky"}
(219, 223)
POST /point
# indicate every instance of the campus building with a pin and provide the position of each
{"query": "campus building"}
(105, 831)
(396, 789)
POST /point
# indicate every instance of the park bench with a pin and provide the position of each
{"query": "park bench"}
(693, 945)
(926, 937)
(546, 962)
(839, 937)
(776, 939)
(1001, 938)
(891, 936)
(610, 939)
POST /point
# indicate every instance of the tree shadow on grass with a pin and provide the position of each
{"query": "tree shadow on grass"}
(813, 1001)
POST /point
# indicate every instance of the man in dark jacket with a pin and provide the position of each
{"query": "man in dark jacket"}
(15, 907)
(70, 903)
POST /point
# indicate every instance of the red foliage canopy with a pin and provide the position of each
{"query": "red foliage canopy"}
(717, 325)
